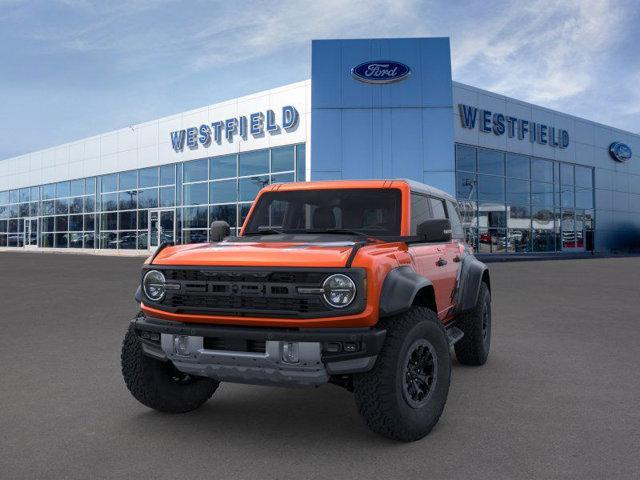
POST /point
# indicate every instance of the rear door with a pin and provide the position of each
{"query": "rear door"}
(429, 258)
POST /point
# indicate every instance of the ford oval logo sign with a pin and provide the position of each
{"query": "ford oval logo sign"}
(620, 152)
(380, 71)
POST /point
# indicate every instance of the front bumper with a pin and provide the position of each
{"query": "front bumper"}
(317, 361)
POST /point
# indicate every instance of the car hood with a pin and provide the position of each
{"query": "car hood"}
(258, 254)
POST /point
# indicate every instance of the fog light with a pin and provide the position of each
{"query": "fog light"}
(350, 347)
(290, 352)
(181, 345)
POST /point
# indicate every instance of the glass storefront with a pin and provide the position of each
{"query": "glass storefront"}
(141, 208)
(514, 203)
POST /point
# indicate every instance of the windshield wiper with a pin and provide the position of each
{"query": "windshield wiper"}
(264, 231)
(343, 231)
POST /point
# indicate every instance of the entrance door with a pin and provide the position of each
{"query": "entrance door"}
(30, 232)
(572, 227)
(162, 227)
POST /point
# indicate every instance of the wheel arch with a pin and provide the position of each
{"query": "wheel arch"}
(472, 274)
(403, 288)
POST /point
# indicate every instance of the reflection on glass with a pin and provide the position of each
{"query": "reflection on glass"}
(492, 240)
(465, 158)
(517, 166)
(490, 189)
(490, 161)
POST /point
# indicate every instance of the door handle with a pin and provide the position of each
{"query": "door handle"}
(441, 262)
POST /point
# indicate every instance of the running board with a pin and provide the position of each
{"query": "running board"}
(453, 335)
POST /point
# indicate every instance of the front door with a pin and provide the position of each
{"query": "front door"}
(162, 227)
(30, 232)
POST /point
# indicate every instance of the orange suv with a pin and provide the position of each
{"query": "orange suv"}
(363, 284)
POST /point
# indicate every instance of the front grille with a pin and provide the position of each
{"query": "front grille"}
(238, 292)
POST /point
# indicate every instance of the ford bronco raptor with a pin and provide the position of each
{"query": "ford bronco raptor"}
(364, 284)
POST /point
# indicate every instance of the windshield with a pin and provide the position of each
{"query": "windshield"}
(370, 211)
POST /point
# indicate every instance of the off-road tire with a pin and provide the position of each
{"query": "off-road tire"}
(159, 385)
(473, 348)
(379, 392)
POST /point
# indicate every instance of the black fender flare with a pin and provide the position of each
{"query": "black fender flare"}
(399, 290)
(138, 296)
(472, 273)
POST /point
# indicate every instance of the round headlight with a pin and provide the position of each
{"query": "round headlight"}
(339, 290)
(153, 285)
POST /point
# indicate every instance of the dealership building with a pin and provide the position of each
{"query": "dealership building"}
(528, 179)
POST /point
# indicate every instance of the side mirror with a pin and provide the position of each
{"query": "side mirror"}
(219, 230)
(435, 230)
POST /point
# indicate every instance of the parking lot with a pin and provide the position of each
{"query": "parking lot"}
(558, 398)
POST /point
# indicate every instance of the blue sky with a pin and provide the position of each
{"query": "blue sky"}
(74, 68)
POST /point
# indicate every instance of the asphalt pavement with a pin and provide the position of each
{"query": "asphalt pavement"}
(558, 398)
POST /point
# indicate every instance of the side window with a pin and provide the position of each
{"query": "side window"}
(454, 217)
(420, 211)
(437, 207)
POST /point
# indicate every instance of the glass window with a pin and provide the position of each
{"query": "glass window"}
(541, 193)
(76, 187)
(249, 187)
(75, 223)
(195, 217)
(518, 240)
(168, 175)
(62, 206)
(108, 240)
(148, 198)
(283, 178)
(420, 211)
(194, 236)
(127, 200)
(566, 196)
(492, 240)
(143, 237)
(541, 170)
(566, 174)
(195, 170)
(437, 208)
(584, 177)
(62, 223)
(14, 196)
(25, 195)
(584, 197)
(24, 209)
(128, 180)
(89, 204)
(62, 189)
(519, 217)
(46, 240)
(109, 201)
(301, 162)
(282, 159)
(48, 192)
(517, 166)
(4, 198)
(109, 183)
(148, 177)
(226, 213)
(109, 221)
(76, 205)
(128, 220)
(33, 209)
(465, 158)
(224, 192)
(167, 196)
(196, 194)
(466, 186)
(490, 189)
(89, 240)
(89, 222)
(243, 212)
(48, 224)
(35, 191)
(90, 185)
(253, 163)
(62, 240)
(128, 240)
(143, 219)
(223, 167)
(490, 161)
(517, 191)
